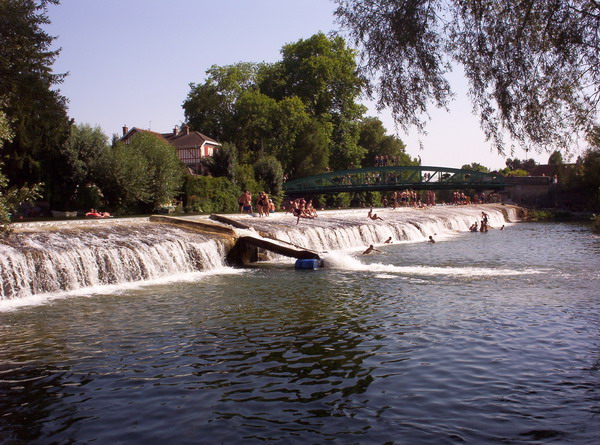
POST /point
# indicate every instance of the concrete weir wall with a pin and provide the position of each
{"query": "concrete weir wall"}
(242, 249)
(238, 254)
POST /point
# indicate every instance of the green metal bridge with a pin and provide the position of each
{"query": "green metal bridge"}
(395, 178)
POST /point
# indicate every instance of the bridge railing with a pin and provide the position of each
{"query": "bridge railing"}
(395, 178)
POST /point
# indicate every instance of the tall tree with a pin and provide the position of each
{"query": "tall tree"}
(36, 110)
(374, 139)
(322, 72)
(270, 109)
(210, 107)
(476, 167)
(141, 175)
(533, 66)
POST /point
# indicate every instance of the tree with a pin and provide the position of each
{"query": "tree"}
(517, 164)
(11, 198)
(532, 66)
(36, 110)
(312, 154)
(267, 109)
(374, 139)
(322, 72)
(474, 166)
(269, 172)
(556, 158)
(210, 107)
(142, 175)
(79, 163)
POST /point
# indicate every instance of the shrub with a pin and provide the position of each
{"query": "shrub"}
(206, 194)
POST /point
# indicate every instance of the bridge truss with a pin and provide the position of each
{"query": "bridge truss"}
(395, 178)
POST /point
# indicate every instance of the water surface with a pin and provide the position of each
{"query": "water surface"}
(478, 338)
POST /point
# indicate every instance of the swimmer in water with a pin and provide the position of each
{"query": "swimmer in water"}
(370, 249)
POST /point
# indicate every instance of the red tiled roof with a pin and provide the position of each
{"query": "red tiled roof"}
(191, 139)
(182, 139)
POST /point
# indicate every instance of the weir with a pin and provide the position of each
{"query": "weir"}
(81, 254)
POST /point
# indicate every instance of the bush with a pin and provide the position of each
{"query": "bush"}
(205, 194)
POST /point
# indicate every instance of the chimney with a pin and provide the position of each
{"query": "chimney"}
(175, 130)
(186, 129)
(125, 130)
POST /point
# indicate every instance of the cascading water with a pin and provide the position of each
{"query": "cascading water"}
(78, 256)
(351, 230)
(54, 261)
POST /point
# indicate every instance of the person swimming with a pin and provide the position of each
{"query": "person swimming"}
(370, 249)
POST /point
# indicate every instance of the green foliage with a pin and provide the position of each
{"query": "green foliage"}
(32, 105)
(374, 139)
(518, 164)
(301, 110)
(205, 194)
(529, 64)
(540, 215)
(12, 197)
(556, 158)
(223, 162)
(518, 172)
(338, 200)
(244, 178)
(474, 166)
(268, 171)
(140, 176)
(312, 154)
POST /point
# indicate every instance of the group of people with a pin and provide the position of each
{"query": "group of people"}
(301, 208)
(483, 226)
(384, 160)
(93, 213)
(264, 204)
(409, 198)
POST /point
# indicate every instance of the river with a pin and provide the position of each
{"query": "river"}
(478, 338)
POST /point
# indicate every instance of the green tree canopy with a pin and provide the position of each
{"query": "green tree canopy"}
(474, 166)
(284, 109)
(556, 158)
(141, 175)
(374, 139)
(36, 111)
(532, 66)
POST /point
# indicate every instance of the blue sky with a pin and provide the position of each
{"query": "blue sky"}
(130, 62)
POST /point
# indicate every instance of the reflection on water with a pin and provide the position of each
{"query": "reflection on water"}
(420, 344)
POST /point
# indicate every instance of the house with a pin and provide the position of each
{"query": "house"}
(191, 146)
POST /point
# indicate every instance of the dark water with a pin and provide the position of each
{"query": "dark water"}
(482, 338)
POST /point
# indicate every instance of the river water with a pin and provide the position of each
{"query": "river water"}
(479, 338)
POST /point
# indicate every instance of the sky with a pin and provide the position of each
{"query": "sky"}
(130, 63)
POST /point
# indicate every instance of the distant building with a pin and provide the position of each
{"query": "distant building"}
(191, 146)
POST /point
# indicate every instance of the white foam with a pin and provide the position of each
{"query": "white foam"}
(115, 289)
(347, 262)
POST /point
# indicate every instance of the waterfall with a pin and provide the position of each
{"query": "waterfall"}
(81, 255)
(348, 230)
(55, 261)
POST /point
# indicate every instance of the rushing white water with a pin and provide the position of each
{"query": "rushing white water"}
(66, 260)
(352, 230)
(76, 257)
